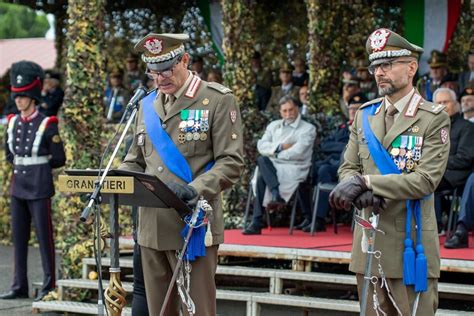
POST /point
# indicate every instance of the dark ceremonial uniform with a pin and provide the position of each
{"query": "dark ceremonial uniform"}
(34, 148)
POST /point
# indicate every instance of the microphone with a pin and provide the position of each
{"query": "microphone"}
(140, 93)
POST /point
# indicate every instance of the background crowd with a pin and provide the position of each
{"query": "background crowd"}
(273, 89)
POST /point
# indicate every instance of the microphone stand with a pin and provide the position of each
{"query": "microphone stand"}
(95, 200)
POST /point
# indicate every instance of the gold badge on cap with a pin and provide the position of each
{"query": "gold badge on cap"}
(205, 101)
(56, 139)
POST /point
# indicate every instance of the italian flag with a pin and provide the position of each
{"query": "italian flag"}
(212, 13)
(430, 24)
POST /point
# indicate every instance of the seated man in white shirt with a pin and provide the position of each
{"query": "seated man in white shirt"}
(286, 149)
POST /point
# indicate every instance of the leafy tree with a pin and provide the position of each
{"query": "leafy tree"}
(17, 21)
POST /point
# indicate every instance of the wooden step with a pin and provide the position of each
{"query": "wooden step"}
(277, 277)
(253, 299)
(90, 284)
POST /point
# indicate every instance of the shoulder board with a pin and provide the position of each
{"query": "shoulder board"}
(51, 120)
(9, 117)
(217, 86)
(371, 102)
(434, 108)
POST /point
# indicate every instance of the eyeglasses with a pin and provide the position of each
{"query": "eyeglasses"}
(165, 73)
(386, 66)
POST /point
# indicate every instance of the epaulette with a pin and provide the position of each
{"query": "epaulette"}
(371, 102)
(217, 86)
(434, 108)
(10, 116)
(51, 120)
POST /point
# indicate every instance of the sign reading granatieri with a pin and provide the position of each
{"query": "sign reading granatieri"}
(85, 184)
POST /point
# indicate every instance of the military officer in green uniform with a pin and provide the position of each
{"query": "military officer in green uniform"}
(198, 152)
(431, 81)
(287, 87)
(396, 156)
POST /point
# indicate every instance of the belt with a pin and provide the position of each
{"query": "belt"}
(29, 161)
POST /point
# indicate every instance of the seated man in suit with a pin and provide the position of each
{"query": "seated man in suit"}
(325, 171)
(466, 218)
(286, 149)
(461, 152)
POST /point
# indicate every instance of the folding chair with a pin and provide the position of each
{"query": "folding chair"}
(322, 187)
(296, 200)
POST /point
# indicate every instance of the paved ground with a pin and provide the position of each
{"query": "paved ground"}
(35, 273)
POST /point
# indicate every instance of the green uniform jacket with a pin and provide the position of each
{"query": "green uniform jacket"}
(277, 94)
(160, 228)
(430, 121)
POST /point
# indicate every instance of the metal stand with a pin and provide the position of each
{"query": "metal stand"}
(114, 294)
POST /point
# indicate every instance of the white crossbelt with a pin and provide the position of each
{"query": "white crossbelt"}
(30, 161)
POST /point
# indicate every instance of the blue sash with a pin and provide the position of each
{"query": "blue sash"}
(164, 145)
(178, 165)
(414, 271)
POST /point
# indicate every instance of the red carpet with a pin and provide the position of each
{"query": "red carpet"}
(278, 237)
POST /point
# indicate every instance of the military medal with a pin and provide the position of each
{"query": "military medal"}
(182, 125)
(401, 164)
(394, 152)
(409, 154)
(403, 145)
(410, 164)
(181, 138)
(205, 121)
(203, 136)
(196, 136)
(234, 136)
(189, 136)
(417, 151)
(397, 163)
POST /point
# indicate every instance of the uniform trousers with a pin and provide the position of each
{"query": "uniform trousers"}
(139, 304)
(158, 269)
(404, 297)
(466, 211)
(267, 177)
(23, 211)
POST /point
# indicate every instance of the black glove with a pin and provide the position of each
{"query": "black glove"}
(346, 192)
(368, 198)
(185, 192)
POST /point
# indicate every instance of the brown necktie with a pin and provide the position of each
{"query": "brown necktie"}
(390, 117)
(169, 103)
